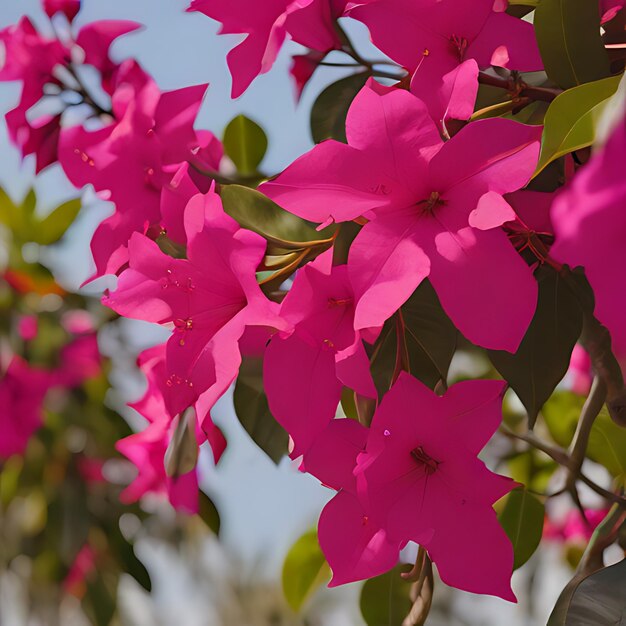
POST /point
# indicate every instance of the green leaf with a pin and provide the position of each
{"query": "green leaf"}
(572, 119)
(257, 212)
(53, 226)
(245, 142)
(607, 441)
(522, 520)
(568, 34)
(386, 599)
(544, 354)
(597, 600)
(430, 340)
(208, 513)
(126, 557)
(328, 115)
(304, 570)
(254, 414)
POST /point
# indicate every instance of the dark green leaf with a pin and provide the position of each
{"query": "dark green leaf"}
(125, 554)
(53, 227)
(328, 115)
(304, 570)
(568, 34)
(544, 354)
(208, 513)
(522, 520)
(99, 601)
(597, 600)
(572, 119)
(385, 600)
(430, 340)
(245, 142)
(254, 414)
(257, 212)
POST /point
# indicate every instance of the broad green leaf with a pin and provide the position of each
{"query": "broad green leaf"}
(595, 600)
(304, 570)
(572, 119)
(53, 226)
(568, 34)
(123, 551)
(257, 212)
(607, 441)
(386, 599)
(430, 340)
(522, 520)
(208, 513)
(328, 115)
(543, 357)
(254, 414)
(245, 142)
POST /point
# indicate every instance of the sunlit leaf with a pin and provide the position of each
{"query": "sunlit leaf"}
(245, 142)
(522, 520)
(304, 570)
(386, 599)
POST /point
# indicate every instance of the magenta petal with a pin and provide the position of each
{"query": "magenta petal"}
(468, 269)
(475, 555)
(396, 130)
(353, 370)
(354, 547)
(386, 264)
(507, 41)
(302, 388)
(487, 155)
(492, 211)
(332, 457)
(333, 181)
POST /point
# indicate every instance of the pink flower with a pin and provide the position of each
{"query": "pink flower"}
(303, 67)
(22, 392)
(580, 371)
(209, 299)
(572, 527)
(435, 210)
(147, 448)
(590, 228)
(435, 36)
(305, 372)
(80, 571)
(31, 59)
(80, 360)
(266, 24)
(69, 8)
(130, 158)
(355, 547)
(27, 327)
(420, 479)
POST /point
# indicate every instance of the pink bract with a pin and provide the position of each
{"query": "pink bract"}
(419, 478)
(590, 227)
(434, 209)
(209, 299)
(305, 372)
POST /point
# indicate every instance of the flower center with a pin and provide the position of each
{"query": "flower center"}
(429, 205)
(430, 465)
(335, 302)
(459, 46)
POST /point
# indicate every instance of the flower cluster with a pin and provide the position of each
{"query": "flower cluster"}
(421, 194)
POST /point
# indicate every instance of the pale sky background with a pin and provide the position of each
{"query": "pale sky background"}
(264, 508)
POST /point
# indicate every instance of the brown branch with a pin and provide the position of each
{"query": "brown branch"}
(517, 88)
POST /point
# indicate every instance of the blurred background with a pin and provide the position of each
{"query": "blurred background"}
(196, 577)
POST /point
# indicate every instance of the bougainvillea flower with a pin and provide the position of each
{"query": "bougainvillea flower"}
(444, 33)
(303, 67)
(580, 372)
(590, 227)
(434, 208)
(572, 527)
(22, 392)
(31, 59)
(129, 158)
(27, 327)
(96, 39)
(355, 547)
(420, 479)
(305, 372)
(69, 8)
(266, 24)
(81, 570)
(209, 298)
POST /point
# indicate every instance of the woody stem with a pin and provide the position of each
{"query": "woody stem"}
(543, 94)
